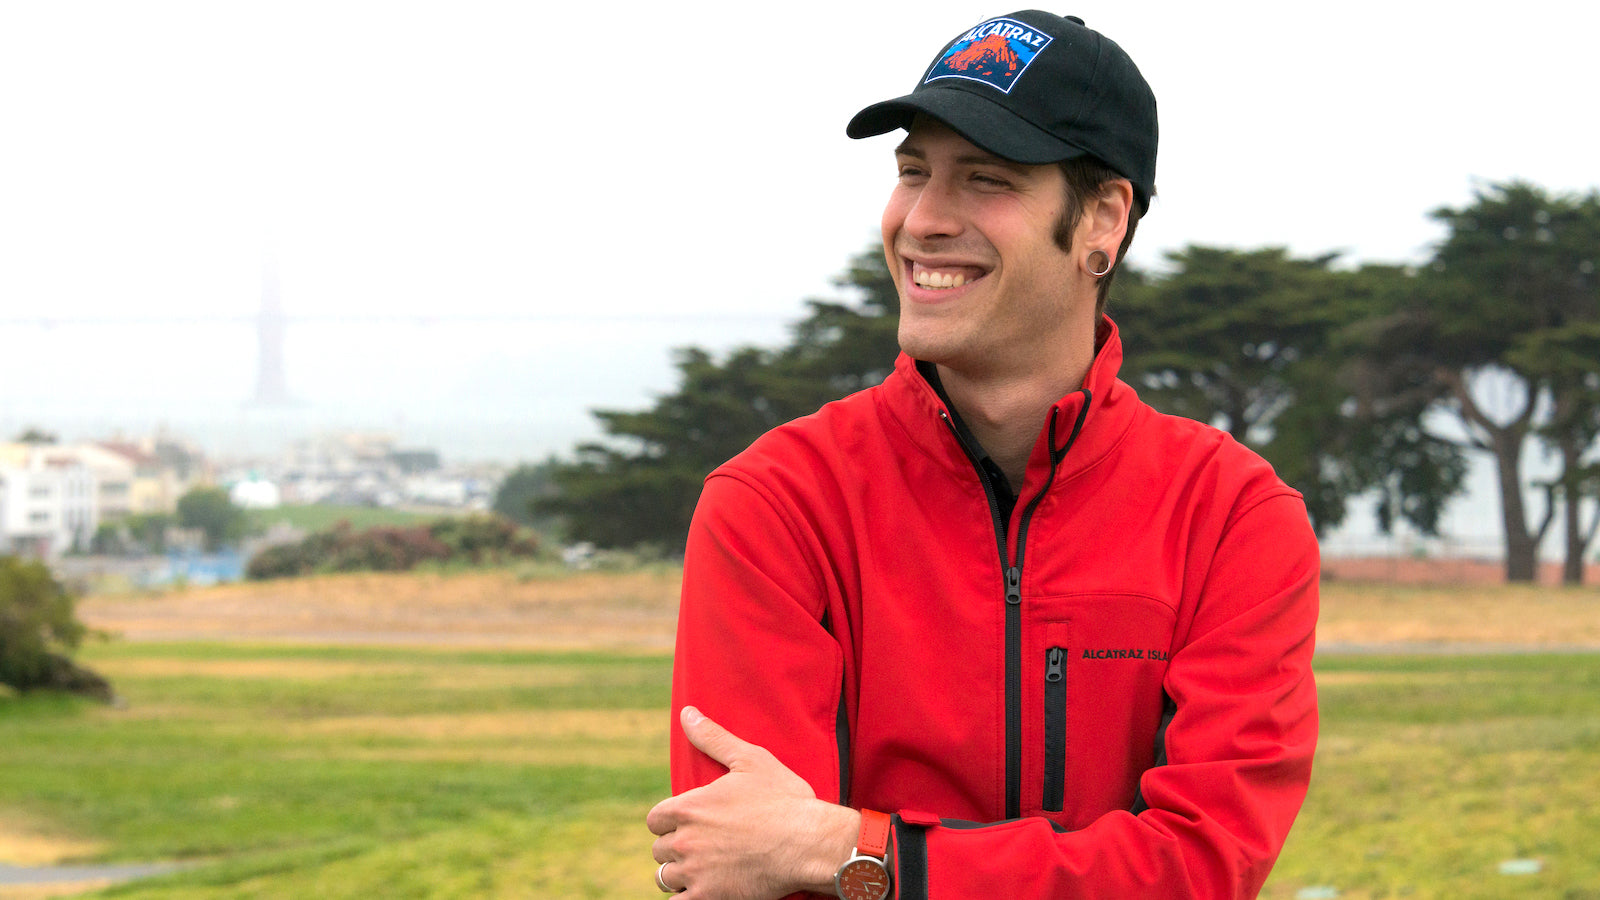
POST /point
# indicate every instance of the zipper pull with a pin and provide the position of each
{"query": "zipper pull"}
(1053, 662)
(1014, 586)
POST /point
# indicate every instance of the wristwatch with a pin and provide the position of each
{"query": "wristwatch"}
(865, 875)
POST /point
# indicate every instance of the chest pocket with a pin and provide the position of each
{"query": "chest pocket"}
(1092, 701)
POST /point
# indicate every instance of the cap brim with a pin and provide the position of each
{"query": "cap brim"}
(986, 124)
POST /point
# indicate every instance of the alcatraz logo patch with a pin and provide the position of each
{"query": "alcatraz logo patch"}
(995, 53)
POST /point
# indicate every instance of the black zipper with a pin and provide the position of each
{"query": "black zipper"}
(1055, 728)
(1014, 684)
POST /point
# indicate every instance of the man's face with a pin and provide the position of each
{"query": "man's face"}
(969, 240)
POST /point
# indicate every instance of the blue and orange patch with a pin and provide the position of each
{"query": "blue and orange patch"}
(995, 53)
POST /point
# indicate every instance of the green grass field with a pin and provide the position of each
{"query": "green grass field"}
(289, 771)
(1431, 771)
(351, 772)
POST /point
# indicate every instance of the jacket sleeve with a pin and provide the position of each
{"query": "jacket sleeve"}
(1214, 812)
(753, 648)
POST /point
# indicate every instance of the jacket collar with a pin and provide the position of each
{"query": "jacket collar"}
(1105, 405)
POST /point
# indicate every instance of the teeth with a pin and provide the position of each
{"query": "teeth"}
(930, 279)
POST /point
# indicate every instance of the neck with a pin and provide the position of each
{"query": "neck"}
(1004, 411)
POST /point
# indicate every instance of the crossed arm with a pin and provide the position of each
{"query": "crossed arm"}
(757, 833)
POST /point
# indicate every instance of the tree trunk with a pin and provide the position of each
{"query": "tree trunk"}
(1522, 550)
(1572, 569)
(1572, 501)
(1505, 443)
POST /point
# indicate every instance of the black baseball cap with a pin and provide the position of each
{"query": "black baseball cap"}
(1035, 88)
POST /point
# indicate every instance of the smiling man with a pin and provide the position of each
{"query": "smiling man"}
(995, 628)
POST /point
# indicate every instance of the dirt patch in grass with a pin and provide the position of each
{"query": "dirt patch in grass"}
(456, 676)
(54, 889)
(574, 737)
(253, 669)
(1455, 571)
(20, 845)
(497, 609)
(1460, 617)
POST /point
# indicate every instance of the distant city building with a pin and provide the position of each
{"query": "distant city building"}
(142, 483)
(47, 501)
(162, 470)
(414, 462)
(115, 475)
(438, 490)
(364, 469)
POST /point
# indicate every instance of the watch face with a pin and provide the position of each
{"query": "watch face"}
(863, 879)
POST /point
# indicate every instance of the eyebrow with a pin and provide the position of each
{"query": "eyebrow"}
(906, 148)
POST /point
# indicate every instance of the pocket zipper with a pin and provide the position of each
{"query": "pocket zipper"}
(1055, 728)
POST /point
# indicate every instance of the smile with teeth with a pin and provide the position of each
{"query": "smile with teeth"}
(936, 279)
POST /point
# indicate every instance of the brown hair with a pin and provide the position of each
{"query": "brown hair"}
(1087, 177)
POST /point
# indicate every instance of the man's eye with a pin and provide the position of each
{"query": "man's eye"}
(990, 180)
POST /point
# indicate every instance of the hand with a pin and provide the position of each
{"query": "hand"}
(757, 833)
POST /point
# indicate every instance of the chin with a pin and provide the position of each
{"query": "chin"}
(912, 343)
(919, 344)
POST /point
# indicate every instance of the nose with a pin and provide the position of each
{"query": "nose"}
(934, 212)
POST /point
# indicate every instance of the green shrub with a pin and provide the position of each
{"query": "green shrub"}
(484, 538)
(385, 548)
(38, 630)
(476, 540)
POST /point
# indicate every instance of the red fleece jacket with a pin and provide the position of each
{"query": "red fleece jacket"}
(1107, 695)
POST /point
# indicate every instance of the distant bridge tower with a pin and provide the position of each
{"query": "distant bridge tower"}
(272, 389)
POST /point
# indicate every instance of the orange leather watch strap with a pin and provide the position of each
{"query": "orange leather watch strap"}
(874, 837)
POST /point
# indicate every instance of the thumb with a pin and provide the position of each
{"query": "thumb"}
(715, 741)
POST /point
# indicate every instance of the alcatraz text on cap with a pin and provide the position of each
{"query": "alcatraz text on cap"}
(995, 53)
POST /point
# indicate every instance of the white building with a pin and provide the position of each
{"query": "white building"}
(255, 492)
(115, 476)
(47, 502)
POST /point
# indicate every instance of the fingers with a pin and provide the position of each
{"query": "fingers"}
(707, 836)
(662, 851)
(662, 819)
(666, 886)
(719, 744)
(715, 741)
(669, 861)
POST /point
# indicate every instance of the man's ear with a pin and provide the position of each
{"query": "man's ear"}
(1105, 217)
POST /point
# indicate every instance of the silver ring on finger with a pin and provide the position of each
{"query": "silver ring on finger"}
(662, 882)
